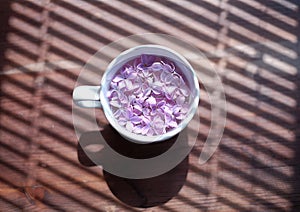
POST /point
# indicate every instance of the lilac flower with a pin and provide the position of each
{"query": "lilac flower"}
(148, 96)
(147, 60)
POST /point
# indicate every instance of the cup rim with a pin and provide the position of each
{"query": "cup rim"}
(144, 139)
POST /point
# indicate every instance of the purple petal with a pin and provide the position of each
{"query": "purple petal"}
(180, 100)
(147, 92)
(138, 129)
(168, 118)
(167, 67)
(117, 113)
(115, 104)
(114, 85)
(167, 110)
(128, 114)
(132, 75)
(128, 84)
(156, 91)
(129, 126)
(157, 66)
(146, 118)
(150, 132)
(118, 78)
(145, 130)
(123, 99)
(146, 112)
(180, 117)
(111, 93)
(122, 121)
(184, 109)
(157, 84)
(147, 60)
(158, 125)
(137, 109)
(141, 99)
(122, 84)
(176, 80)
(185, 90)
(170, 89)
(163, 76)
(151, 100)
(153, 112)
(172, 124)
(158, 122)
(176, 110)
(161, 103)
(135, 119)
(140, 67)
(169, 79)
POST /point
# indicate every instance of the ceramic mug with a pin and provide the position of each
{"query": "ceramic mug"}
(95, 96)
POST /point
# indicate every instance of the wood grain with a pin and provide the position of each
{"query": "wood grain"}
(43, 47)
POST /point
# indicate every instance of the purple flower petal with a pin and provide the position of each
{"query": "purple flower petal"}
(158, 122)
(147, 92)
(138, 129)
(150, 132)
(161, 103)
(137, 109)
(184, 109)
(156, 91)
(157, 84)
(122, 121)
(147, 60)
(129, 85)
(185, 90)
(135, 119)
(180, 100)
(123, 98)
(140, 67)
(176, 80)
(117, 113)
(176, 110)
(146, 118)
(129, 126)
(128, 114)
(114, 85)
(121, 84)
(145, 130)
(151, 101)
(169, 79)
(146, 113)
(172, 124)
(167, 67)
(170, 89)
(153, 111)
(115, 104)
(132, 75)
(158, 127)
(112, 93)
(157, 66)
(118, 78)
(180, 117)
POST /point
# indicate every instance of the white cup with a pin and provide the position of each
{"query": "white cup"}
(95, 96)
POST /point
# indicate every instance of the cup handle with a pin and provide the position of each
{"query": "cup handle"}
(87, 96)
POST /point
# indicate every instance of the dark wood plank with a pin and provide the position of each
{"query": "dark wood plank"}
(44, 45)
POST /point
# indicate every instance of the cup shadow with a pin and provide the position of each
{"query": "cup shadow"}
(142, 193)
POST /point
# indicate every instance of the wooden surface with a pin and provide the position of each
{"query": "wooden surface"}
(256, 166)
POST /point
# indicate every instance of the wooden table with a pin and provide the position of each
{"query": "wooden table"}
(254, 46)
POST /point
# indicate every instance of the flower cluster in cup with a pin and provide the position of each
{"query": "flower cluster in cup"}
(149, 96)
